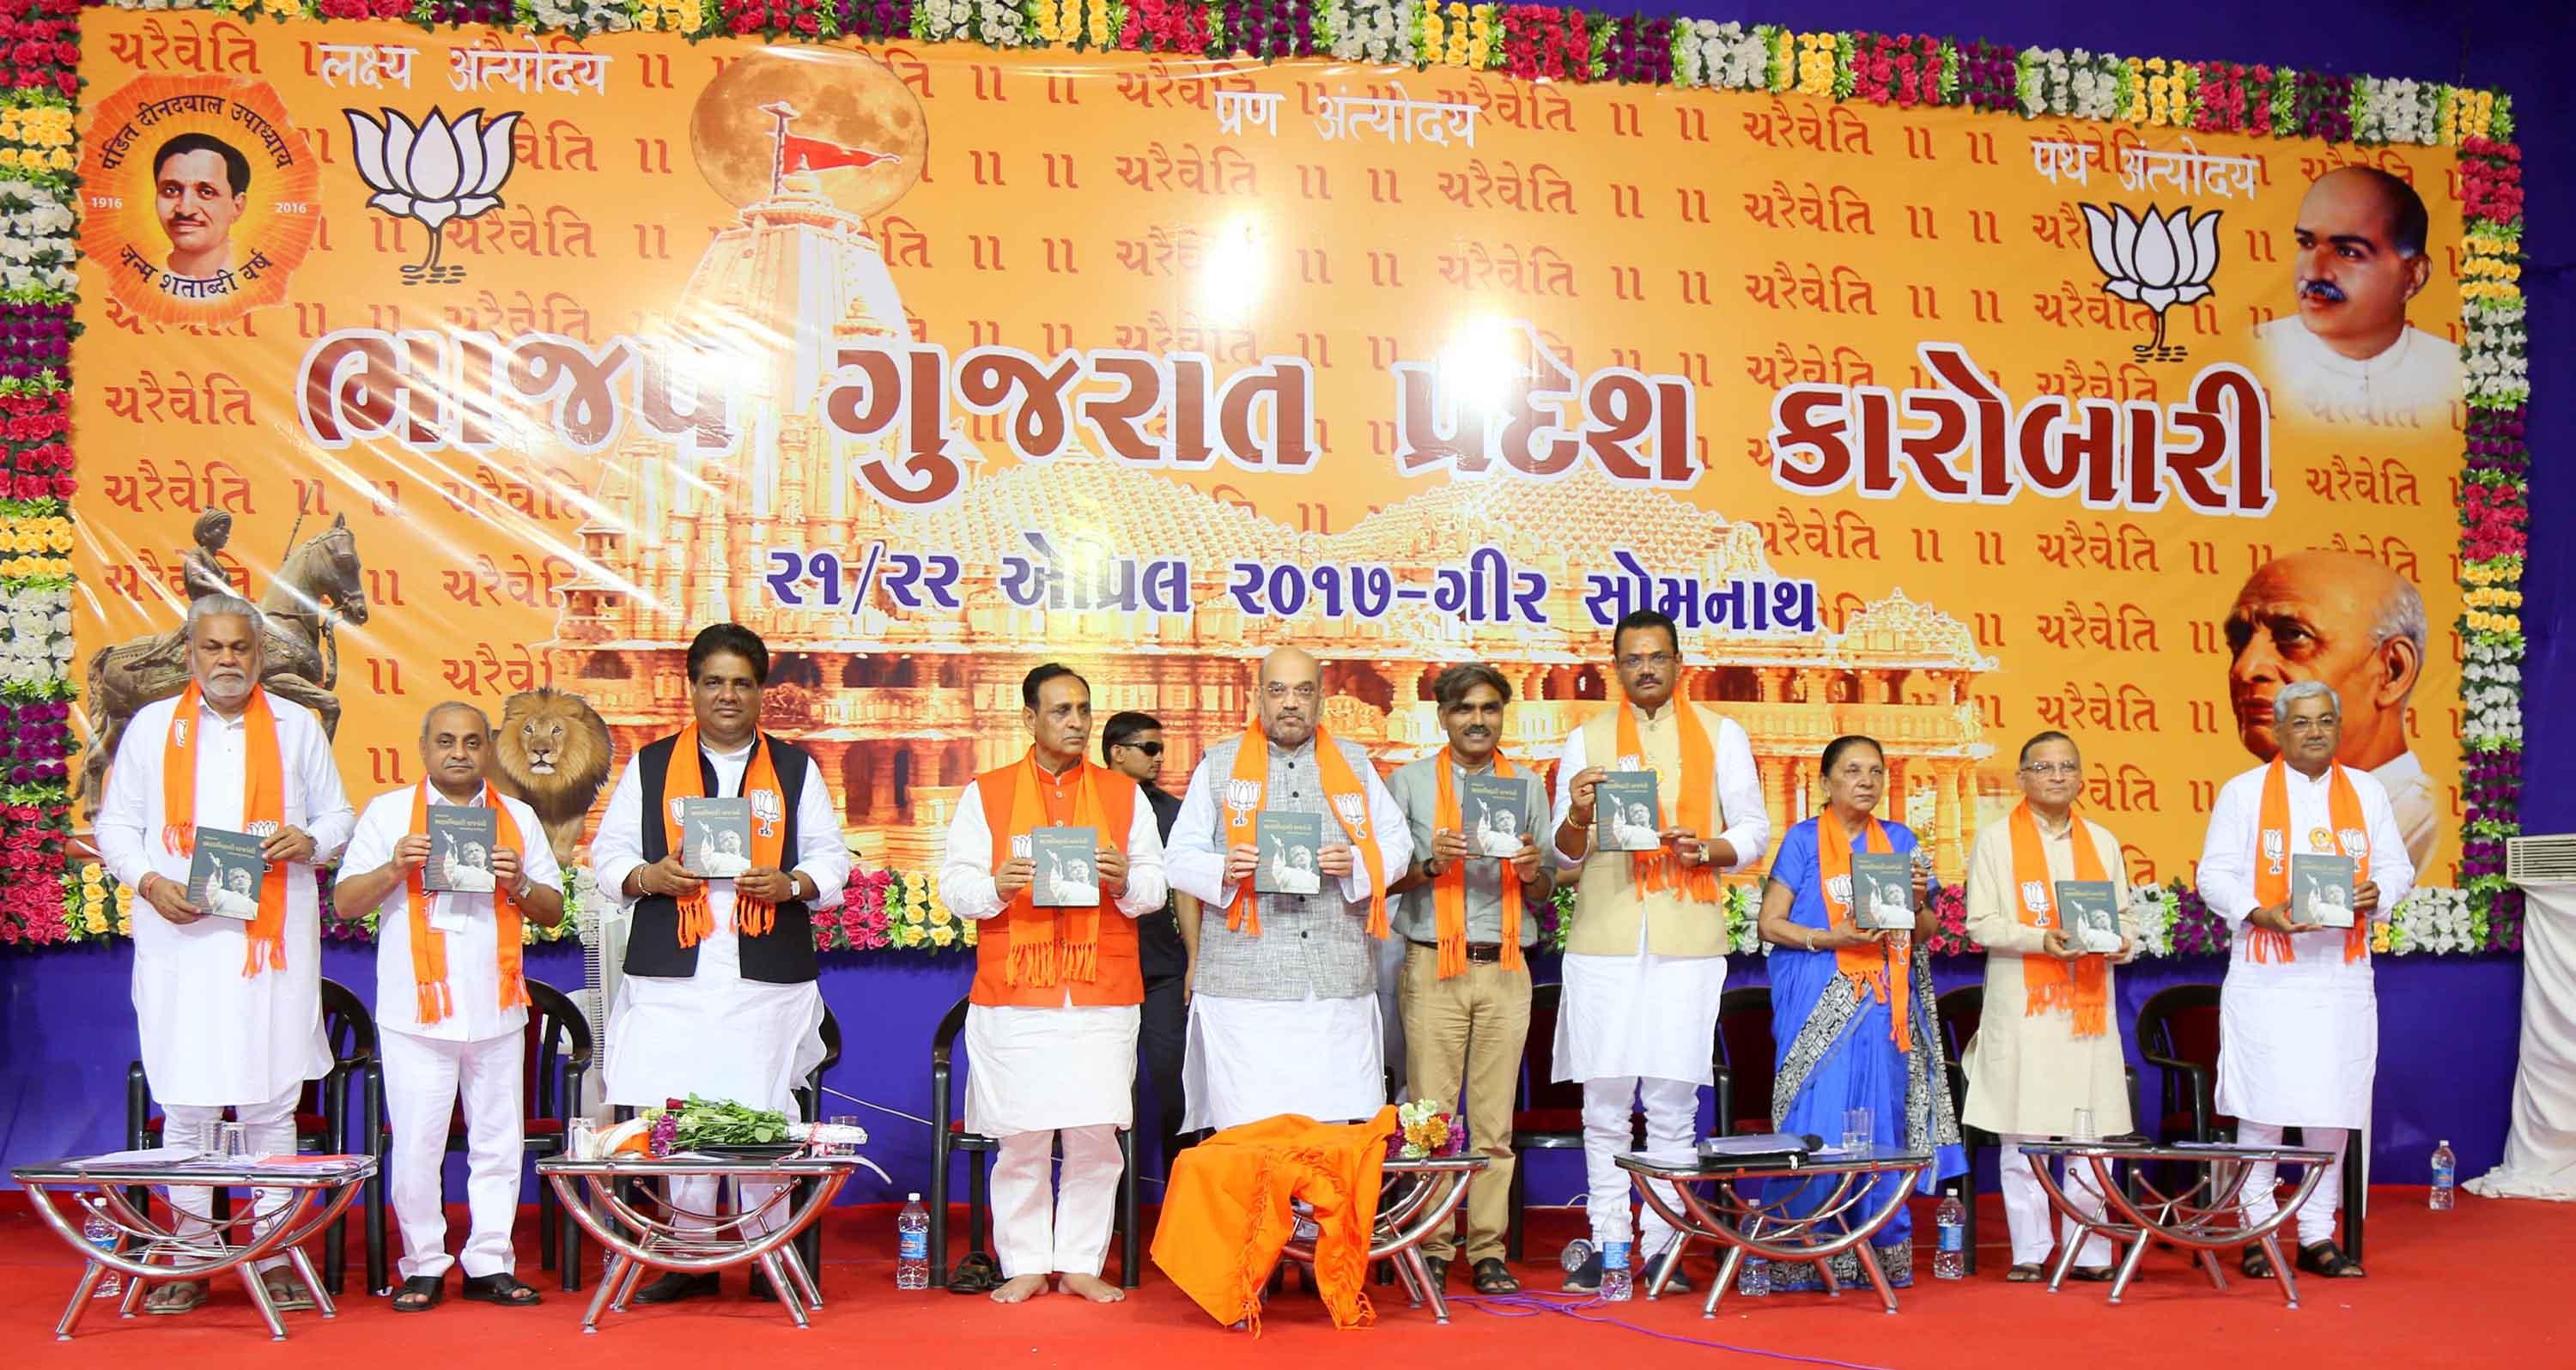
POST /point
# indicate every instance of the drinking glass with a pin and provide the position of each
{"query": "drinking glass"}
(582, 1140)
(841, 1144)
(232, 1142)
(1858, 1138)
(2083, 1130)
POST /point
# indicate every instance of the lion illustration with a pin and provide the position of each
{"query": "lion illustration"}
(555, 755)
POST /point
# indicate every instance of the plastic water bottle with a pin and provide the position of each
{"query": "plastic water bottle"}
(1617, 1285)
(1576, 1252)
(2446, 1170)
(101, 1233)
(1753, 1280)
(912, 1245)
(1950, 1258)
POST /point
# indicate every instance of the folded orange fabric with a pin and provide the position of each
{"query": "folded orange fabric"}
(1226, 1213)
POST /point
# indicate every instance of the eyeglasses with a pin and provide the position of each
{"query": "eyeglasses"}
(1638, 661)
(2310, 724)
(1281, 690)
(1148, 748)
(2047, 768)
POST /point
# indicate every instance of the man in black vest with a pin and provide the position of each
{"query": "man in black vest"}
(719, 997)
(1132, 745)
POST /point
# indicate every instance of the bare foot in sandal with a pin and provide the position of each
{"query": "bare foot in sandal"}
(178, 1296)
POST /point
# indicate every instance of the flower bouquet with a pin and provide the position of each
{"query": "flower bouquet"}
(1425, 1129)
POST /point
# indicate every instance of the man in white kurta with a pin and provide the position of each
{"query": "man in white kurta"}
(214, 1037)
(744, 1022)
(2299, 1036)
(1645, 967)
(2348, 357)
(2030, 1067)
(1286, 1019)
(471, 1045)
(1051, 1055)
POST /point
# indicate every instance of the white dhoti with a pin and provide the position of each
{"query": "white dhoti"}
(1034, 1075)
(1638, 1032)
(1251, 1059)
(424, 1076)
(717, 1036)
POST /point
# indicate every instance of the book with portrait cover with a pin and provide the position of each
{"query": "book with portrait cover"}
(715, 837)
(1292, 852)
(224, 876)
(2090, 914)
(2321, 889)
(1067, 876)
(1624, 811)
(1494, 812)
(1882, 891)
(460, 849)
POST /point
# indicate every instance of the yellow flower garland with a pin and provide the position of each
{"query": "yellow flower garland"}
(1816, 54)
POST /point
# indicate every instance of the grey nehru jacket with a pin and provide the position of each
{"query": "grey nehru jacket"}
(1308, 942)
(1417, 791)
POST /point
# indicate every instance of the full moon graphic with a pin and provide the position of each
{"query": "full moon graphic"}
(840, 97)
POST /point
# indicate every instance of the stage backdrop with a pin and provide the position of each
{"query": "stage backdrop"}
(518, 360)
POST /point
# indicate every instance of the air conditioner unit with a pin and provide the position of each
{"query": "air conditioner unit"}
(2541, 862)
(603, 963)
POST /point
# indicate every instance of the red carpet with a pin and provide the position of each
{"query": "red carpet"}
(2475, 1287)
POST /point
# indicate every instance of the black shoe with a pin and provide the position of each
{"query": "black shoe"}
(1655, 1266)
(1585, 1278)
(674, 1287)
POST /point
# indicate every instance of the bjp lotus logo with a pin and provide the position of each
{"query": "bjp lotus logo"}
(2158, 261)
(435, 172)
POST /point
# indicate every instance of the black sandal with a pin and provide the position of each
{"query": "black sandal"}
(1438, 1268)
(425, 1291)
(1494, 1277)
(2256, 1265)
(503, 1288)
(977, 1274)
(2328, 1260)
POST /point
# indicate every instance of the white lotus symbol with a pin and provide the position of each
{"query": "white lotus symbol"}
(433, 172)
(2159, 261)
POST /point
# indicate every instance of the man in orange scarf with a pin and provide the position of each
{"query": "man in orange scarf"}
(719, 998)
(2299, 1020)
(1284, 1017)
(2050, 1040)
(1645, 959)
(1466, 915)
(451, 1004)
(230, 1012)
(1051, 1026)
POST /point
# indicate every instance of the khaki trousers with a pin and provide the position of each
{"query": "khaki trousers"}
(1468, 1031)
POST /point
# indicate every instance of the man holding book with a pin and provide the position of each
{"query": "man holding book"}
(1645, 958)
(1467, 914)
(1284, 1014)
(2049, 1044)
(719, 998)
(1052, 1018)
(2299, 1020)
(229, 1008)
(451, 1000)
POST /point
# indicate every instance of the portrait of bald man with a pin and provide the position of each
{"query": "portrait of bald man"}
(2349, 621)
(2348, 356)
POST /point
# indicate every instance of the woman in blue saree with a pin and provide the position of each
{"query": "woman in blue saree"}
(1852, 1010)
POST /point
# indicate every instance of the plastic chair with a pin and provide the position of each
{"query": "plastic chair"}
(809, 1107)
(1748, 1060)
(1961, 1011)
(1550, 1116)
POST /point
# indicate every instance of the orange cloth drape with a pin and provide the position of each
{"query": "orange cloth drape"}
(1226, 1215)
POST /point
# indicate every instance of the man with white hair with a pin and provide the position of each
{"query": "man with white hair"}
(230, 1012)
(2299, 1017)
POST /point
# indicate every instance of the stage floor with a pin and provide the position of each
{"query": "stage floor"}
(2475, 1287)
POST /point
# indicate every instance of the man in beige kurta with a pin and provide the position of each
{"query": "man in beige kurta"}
(2029, 1068)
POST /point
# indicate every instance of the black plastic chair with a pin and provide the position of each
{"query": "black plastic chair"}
(809, 1107)
(1550, 1116)
(321, 1122)
(1748, 1060)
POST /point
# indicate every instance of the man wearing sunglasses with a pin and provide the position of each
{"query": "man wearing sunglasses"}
(1132, 745)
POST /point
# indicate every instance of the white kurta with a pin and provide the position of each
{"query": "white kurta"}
(2298, 1040)
(1251, 1059)
(466, 921)
(1040, 1069)
(715, 1034)
(2410, 385)
(2028, 1074)
(211, 1035)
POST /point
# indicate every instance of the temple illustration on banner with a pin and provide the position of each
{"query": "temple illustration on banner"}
(903, 705)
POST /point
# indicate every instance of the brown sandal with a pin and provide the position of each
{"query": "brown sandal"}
(178, 1296)
(1494, 1277)
(2025, 1274)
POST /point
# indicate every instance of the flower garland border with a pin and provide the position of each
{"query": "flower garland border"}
(45, 900)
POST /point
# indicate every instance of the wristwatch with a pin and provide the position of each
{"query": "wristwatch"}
(1430, 868)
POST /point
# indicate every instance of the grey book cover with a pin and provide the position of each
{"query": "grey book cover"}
(460, 850)
(1067, 860)
(2090, 913)
(1495, 812)
(2321, 889)
(1292, 852)
(1625, 812)
(715, 837)
(1882, 891)
(225, 874)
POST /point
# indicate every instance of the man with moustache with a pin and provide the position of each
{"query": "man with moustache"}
(719, 998)
(1132, 744)
(1052, 1018)
(2349, 356)
(452, 1005)
(201, 186)
(230, 1012)
(1467, 917)
(1645, 960)
(2351, 622)
(2299, 1018)
(1283, 1011)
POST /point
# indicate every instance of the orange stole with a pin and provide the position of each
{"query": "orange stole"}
(1226, 1216)
(1120, 976)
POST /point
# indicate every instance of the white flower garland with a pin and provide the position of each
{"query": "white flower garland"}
(2074, 84)
(1379, 32)
(941, 20)
(35, 632)
(36, 224)
(2497, 376)
(582, 16)
(2395, 111)
(1718, 56)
